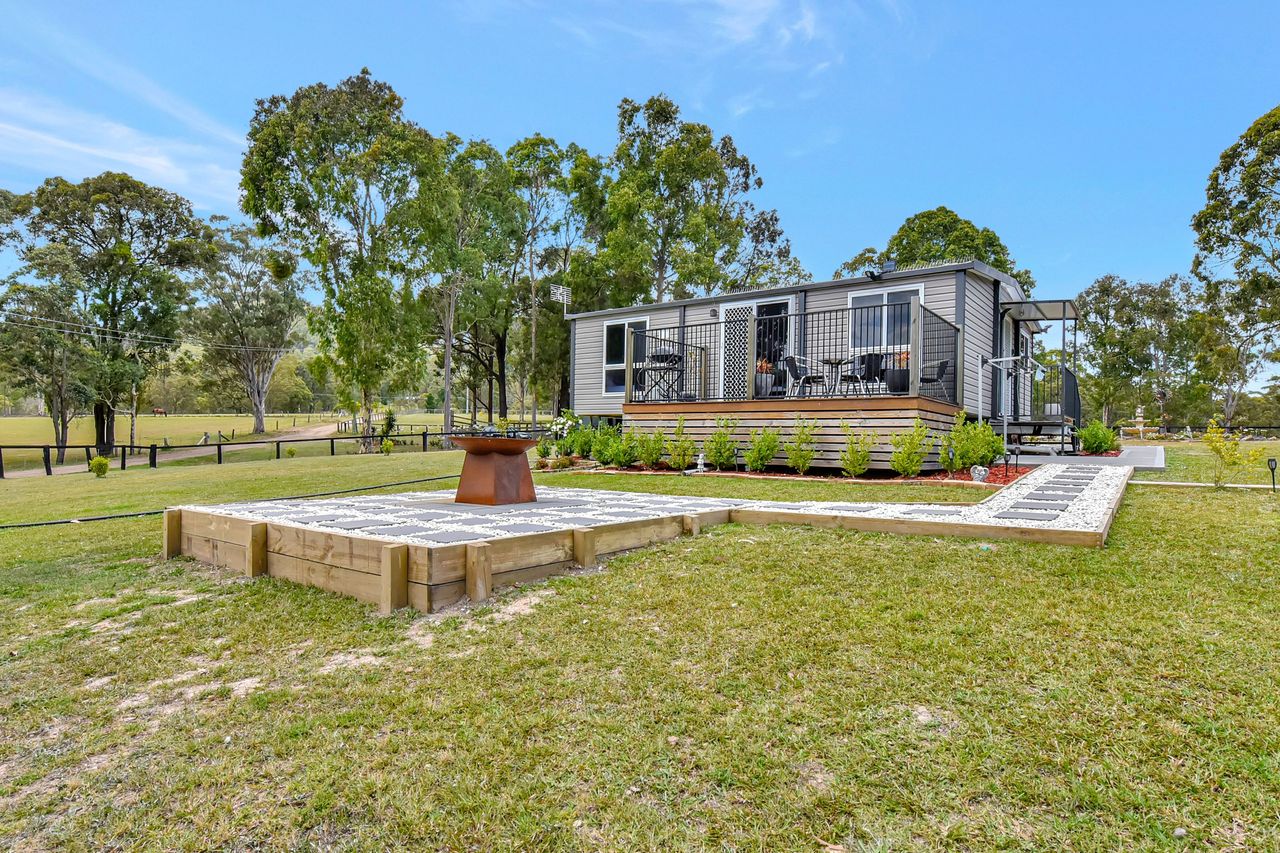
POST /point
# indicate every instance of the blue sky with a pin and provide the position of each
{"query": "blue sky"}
(1082, 133)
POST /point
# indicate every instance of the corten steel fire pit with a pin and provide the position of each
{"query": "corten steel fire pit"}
(495, 470)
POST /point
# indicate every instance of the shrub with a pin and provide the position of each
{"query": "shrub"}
(388, 424)
(650, 449)
(764, 446)
(627, 450)
(973, 444)
(566, 423)
(544, 448)
(720, 448)
(681, 448)
(1228, 457)
(1096, 438)
(801, 448)
(291, 452)
(910, 449)
(583, 439)
(855, 459)
(435, 442)
(603, 446)
(99, 465)
(562, 462)
(387, 446)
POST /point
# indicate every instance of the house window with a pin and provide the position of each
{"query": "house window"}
(881, 321)
(615, 352)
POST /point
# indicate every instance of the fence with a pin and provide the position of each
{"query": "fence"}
(423, 439)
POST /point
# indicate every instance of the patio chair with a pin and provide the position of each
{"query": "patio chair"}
(804, 376)
(867, 369)
(933, 376)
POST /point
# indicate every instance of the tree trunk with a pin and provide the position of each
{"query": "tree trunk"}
(450, 301)
(59, 432)
(104, 427)
(562, 401)
(366, 432)
(133, 415)
(500, 348)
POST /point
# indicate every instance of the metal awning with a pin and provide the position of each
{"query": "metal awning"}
(1040, 310)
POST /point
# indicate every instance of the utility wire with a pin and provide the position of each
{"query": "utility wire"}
(33, 321)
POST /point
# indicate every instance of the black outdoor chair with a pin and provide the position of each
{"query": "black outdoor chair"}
(804, 376)
(866, 370)
(933, 375)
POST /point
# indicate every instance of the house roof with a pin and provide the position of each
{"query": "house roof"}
(1011, 290)
(1040, 310)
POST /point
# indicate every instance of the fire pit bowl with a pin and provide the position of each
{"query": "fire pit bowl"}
(495, 470)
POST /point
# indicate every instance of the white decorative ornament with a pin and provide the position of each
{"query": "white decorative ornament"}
(979, 473)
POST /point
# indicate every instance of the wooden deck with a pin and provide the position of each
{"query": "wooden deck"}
(885, 416)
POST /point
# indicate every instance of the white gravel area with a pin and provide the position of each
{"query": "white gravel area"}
(429, 518)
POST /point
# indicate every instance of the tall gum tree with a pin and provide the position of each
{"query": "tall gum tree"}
(331, 170)
(131, 244)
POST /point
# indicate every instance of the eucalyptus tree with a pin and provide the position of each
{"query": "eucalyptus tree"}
(51, 360)
(251, 312)
(333, 170)
(131, 245)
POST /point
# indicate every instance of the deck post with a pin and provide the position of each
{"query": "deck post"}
(172, 534)
(751, 355)
(584, 547)
(960, 366)
(479, 571)
(917, 345)
(394, 586)
(255, 550)
(629, 348)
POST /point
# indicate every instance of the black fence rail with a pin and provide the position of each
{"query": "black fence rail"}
(1055, 396)
(424, 440)
(894, 349)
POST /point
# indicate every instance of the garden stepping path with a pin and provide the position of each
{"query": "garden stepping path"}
(1078, 501)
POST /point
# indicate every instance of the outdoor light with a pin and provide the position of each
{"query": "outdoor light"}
(1271, 463)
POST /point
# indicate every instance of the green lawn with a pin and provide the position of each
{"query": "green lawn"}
(751, 688)
(1192, 462)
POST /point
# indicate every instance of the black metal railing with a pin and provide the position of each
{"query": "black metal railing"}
(850, 352)
(1055, 395)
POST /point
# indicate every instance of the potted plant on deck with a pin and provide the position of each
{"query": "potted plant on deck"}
(765, 378)
(897, 375)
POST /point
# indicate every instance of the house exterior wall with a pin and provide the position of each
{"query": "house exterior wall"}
(588, 355)
(979, 340)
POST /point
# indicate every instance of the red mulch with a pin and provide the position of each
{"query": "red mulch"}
(1108, 453)
(996, 477)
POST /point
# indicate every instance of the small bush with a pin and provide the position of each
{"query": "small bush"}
(1096, 438)
(387, 446)
(435, 443)
(583, 439)
(681, 448)
(100, 465)
(720, 448)
(971, 444)
(855, 459)
(561, 462)
(910, 449)
(291, 452)
(627, 450)
(388, 424)
(800, 450)
(545, 447)
(604, 445)
(650, 449)
(1228, 457)
(764, 446)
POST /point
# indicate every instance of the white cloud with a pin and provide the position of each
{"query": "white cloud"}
(48, 137)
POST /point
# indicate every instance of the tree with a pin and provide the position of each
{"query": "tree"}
(253, 304)
(49, 359)
(130, 244)
(332, 170)
(868, 258)
(670, 208)
(941, 235)
(1113, 350)
(1237, 342)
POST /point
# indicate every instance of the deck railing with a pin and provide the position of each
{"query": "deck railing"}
(1055, 396)
(898, 349)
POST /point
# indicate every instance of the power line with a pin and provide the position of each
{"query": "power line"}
(89, 330)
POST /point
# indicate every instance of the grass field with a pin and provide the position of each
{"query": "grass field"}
(752, 688)
(1192, 462)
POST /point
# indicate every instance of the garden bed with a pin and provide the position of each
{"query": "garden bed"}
(995, 480)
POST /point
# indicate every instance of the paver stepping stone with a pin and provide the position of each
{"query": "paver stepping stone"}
(1040, 505)
(318, 519)
(356, 523)
(848, 507)
(1051, 494)
(400, 530)
(580, 521)
(1060, 487)
(934, 511)
(445, 536)
(524, 527)
(1028, 516)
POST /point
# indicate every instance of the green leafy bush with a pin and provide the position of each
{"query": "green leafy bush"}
(435, 442)
(291, 452)
(627, 450)
(680, 448)
(801, 448)
(545, 446)
(388, 424)
(970, 443)
(764, 446)
(720, 448)
(604, 445)
(910, 449)
(855, 458)
(387, 446)
(1228, 456)
(583, 438)
(1096, 438)
(650, 449)
(562, 462)
(100, 465)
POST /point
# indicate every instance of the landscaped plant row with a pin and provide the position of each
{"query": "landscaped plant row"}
(965, 445)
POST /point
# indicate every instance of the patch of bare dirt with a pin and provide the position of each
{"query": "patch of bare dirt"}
(419, 634)
(812, 774)
(348, 660)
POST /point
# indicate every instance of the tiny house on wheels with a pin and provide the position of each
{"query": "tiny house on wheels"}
(874, 352)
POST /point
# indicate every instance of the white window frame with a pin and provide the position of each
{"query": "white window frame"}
(884, 292)
(605, 365)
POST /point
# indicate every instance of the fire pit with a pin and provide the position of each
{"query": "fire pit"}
(495, 470)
